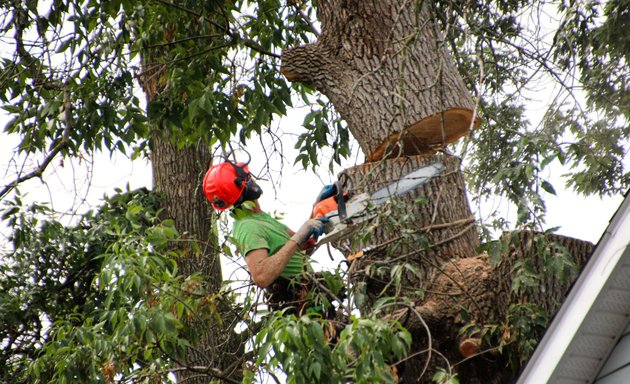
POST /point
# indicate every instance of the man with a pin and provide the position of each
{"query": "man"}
(275, 255)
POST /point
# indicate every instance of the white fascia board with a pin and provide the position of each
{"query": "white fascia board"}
(580, 299)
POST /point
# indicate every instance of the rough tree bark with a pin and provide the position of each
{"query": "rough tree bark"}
(383, 65)
(178, 173)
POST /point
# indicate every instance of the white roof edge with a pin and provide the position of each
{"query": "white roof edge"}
(564, 326)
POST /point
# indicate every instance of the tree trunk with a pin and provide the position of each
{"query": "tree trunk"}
(384, 67)
(178, 173)
(420, 230)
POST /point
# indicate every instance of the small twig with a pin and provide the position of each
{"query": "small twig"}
(235, 37)
(327, 291)
(428, 350)
(435, 265)
(436, 205)
(427, 228)
(175, 42)
(63, 143)
(429, 337)
(204, 370)
(306, 19)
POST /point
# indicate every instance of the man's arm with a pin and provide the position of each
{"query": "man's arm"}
(265, 269)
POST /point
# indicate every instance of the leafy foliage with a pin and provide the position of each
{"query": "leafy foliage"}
(443, 377)
(210, 67)
(319, 135)
(76, 88)
(365, 349)
(504, 50)
(72, 89)
(98, 299)
(545, 269)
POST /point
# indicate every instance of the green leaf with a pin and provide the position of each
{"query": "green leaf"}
(548, 187)
(317, 370)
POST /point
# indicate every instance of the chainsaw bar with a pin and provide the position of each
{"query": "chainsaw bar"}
(406, 184)
(361, 207)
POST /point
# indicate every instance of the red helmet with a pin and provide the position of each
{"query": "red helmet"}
(224, 184)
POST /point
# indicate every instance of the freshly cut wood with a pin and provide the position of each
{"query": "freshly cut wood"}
(475, 290)
(469, 346)
(485, 291)
(384, 66)
(427, 135)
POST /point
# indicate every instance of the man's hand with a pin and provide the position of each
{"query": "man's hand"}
(311, 228)
(309, 246)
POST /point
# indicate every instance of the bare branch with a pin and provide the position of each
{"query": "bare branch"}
(307, 20)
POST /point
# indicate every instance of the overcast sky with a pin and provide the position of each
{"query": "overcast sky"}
(79, 184)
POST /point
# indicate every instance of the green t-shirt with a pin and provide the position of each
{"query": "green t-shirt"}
(259, 230)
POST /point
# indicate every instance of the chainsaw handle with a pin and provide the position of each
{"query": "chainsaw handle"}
(341, 201)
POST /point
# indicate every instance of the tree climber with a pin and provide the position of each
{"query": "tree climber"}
(276, 257)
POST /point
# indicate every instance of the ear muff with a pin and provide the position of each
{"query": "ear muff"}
(251, 192)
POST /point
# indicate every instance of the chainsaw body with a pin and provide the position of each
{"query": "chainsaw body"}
(344, 210)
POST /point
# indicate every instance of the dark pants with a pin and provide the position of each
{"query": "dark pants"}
(296, 297)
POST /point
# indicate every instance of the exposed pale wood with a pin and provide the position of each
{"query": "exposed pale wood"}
(484, 292)
(382, 65)
(469, 346)
(426, 135)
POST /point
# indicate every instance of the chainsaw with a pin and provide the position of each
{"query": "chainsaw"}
(344, 210)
